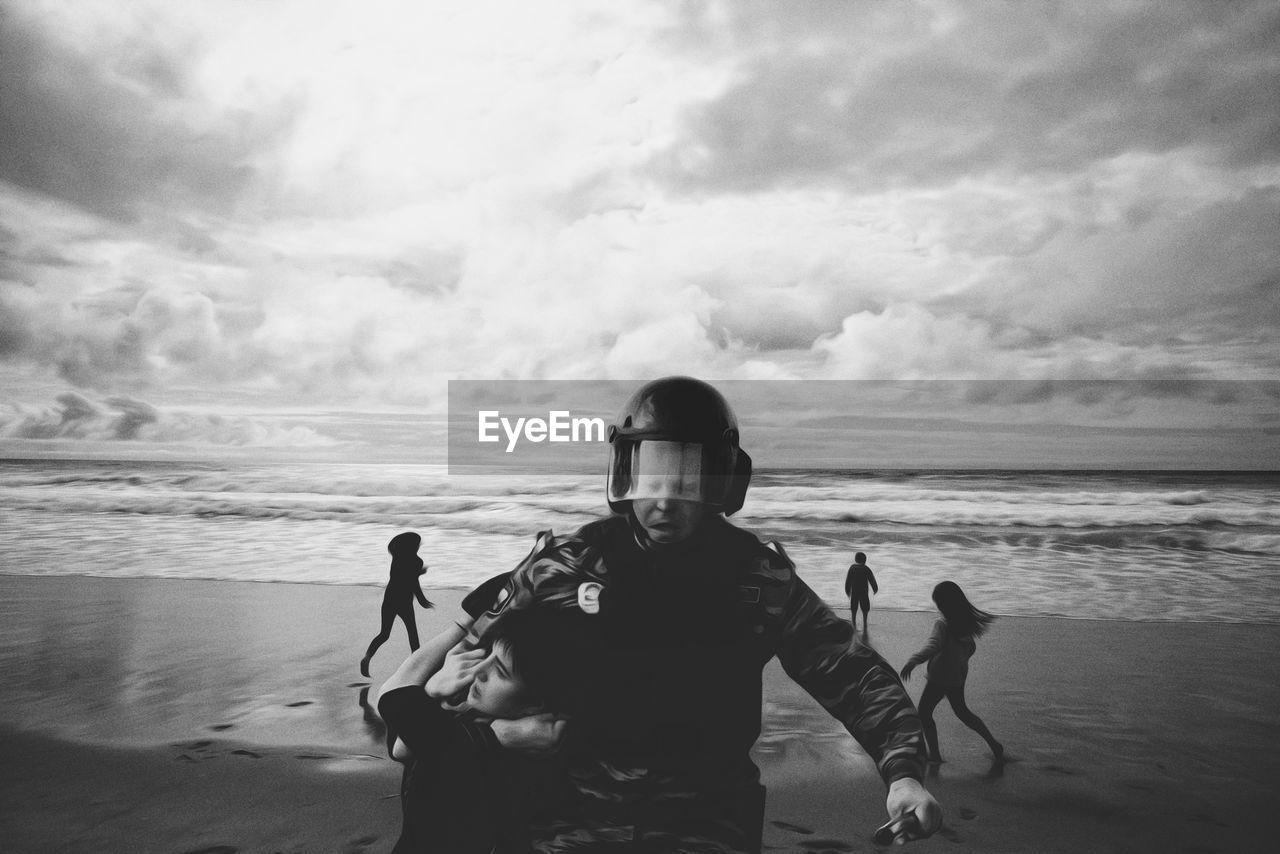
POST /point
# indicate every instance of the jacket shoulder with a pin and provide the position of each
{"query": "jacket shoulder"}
(598, 531)
(766, 558)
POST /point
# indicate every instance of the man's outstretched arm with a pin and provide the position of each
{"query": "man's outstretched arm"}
(858, 687)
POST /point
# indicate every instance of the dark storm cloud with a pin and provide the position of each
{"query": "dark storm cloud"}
(1205, 276)
(874, 95)
(108, 134)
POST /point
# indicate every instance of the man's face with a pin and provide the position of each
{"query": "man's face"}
(497, 691)
(667, 521)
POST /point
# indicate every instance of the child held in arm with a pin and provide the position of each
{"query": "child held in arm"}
(449, 709)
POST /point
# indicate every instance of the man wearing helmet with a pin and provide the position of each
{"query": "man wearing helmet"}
(673, 613)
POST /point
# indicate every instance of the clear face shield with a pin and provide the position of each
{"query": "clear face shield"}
(683, 471)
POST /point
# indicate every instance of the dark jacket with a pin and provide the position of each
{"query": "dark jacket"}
(671, 703)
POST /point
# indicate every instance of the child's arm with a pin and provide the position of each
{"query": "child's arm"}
(426, 660)
(536, 735)
(928, 651)
(417, 591)
(416, 670)
(871, 576)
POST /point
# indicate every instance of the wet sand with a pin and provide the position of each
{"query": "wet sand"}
(191, 716)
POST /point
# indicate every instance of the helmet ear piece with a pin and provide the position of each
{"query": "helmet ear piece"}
(738, 488)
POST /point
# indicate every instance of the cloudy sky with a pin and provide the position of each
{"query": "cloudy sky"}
(263, 223)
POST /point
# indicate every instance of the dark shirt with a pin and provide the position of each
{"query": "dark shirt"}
(672, 702)
(857, 578)
(461, 793)
(403, 585)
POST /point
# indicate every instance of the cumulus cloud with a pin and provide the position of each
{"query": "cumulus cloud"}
(107, 124)
(875, 95)
(263, 204)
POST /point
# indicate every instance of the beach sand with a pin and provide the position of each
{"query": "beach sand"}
(155, 715)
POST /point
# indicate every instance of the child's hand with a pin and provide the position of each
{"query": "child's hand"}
(539, 735)
(458, 671)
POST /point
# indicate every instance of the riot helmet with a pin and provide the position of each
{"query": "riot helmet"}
(677, 438)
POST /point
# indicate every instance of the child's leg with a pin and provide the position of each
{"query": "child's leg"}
(956, 697)
(411, 626)
(388, 620)
(928, 702)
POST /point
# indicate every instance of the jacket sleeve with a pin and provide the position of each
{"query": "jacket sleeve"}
(426, 728)
(822, 653)
(550, 577)
(932, 647)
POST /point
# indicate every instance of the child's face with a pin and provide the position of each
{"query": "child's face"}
(497, 691)
(668, 520)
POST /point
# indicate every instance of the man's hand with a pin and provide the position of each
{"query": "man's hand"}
(909, 798)
(538, 735)
(457, 672)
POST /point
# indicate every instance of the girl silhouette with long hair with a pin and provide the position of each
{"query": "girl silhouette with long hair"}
(948, 651)
(402, 588)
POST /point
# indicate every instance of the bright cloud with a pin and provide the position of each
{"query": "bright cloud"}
(346, 204)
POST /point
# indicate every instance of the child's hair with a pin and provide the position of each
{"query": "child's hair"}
(406, 543)
(541, 655)
(966, 620)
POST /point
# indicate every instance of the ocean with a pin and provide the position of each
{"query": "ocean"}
(1116, 545)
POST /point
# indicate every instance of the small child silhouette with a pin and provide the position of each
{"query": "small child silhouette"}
(402, 588)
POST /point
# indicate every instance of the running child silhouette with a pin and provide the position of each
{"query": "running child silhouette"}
(948, 652)
(402, 588)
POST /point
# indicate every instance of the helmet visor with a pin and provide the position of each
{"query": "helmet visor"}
(684, 471)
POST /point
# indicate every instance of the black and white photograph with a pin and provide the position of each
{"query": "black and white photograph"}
(639, 426)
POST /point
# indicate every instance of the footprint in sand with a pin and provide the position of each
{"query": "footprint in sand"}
(299, 704)
(1204, 818)
(1060, 769)
(248, 753)
(968, 814)
(826, 846)
(362, 842)
(222, 727)
(794, 828)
